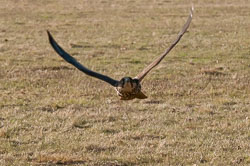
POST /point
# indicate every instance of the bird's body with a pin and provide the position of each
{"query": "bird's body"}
(127, 88)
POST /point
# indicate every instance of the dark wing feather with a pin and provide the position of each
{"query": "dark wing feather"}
(75, 63)
(158, 60)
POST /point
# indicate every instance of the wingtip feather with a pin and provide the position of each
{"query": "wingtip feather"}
(192, 10)
(50, 36)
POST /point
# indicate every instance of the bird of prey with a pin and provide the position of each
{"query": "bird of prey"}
(127, 88)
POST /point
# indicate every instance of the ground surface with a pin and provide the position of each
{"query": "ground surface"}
(198, 106)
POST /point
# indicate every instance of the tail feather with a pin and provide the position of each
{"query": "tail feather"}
(141, 95)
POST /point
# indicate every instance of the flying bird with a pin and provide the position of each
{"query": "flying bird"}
(127, 88)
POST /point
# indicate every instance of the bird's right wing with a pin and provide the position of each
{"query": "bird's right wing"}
(75, 63)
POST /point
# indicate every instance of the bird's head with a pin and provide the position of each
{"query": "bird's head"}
(126, 83)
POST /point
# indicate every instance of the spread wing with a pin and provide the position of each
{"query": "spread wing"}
(158, 60)
(75, 63)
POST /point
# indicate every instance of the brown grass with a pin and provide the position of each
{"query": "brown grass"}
(197, 112)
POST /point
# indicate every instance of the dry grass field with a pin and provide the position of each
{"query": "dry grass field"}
(198, 106)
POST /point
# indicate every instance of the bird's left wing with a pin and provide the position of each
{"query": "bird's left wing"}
(141, 75)
(79, 66)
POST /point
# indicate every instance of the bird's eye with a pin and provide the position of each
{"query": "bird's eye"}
(136, 81)
(122, 81)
